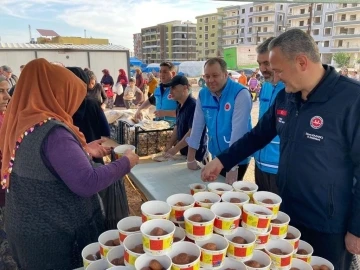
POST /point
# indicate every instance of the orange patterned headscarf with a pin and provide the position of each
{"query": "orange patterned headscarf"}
(43, 91)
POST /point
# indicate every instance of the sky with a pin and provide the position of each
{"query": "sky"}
(116, 20)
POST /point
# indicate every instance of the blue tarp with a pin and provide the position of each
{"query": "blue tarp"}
(135, 62)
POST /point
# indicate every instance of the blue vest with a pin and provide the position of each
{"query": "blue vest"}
(267, 159)
(218, 116)
(165, 102)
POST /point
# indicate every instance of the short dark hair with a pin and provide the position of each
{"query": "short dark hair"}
(218, 60)
(294, 42)
(168, 64)
(264, 47)
(22, 66)
(131, 80)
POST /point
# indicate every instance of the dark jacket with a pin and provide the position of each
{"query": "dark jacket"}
(107, 79)
(97, 93)
(319, 153)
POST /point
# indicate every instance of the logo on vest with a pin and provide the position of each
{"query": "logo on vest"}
(227, 106)
(169, 96)
(316, 122)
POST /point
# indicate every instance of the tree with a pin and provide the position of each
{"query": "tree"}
(342, 59)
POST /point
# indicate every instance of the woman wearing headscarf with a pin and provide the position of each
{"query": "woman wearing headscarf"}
(108, 82)
(90, 118)
(95, 90)
(123, 80)
(52, 207)
(140, 83)
(152, 84)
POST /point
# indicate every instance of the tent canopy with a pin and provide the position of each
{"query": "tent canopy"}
(192, 68)
(135, 62)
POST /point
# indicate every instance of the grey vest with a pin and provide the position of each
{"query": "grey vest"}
(47, 224)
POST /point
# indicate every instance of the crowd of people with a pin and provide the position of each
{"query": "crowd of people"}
(305, 145)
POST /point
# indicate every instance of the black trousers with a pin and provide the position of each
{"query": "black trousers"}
(328, 246)
(266, 181)
(241, 171)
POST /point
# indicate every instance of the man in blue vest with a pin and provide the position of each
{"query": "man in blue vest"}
(267, 159)
(223, 107)
(165, 105)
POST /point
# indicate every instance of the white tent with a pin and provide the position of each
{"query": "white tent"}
(192, 68)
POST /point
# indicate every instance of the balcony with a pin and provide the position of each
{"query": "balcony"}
(263, 12)
(349, 7)
(264, 34)
(346, 35)
(350, 48)
(304, 27)
(149, 33)
(231, 17)
(231, 36)
(347, 22)
(271, 22)
(298, 5)
(328, 24)
(298, 16)
(150, 46)
(236, 26)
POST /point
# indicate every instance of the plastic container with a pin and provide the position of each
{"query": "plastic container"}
(215, 186)
(213, 259)
(177, 212)
(240, 185)
(197, 187)
(128, 223)
(199, 230)
(262, 239)
(294, 242)
(90, 249)
(103, 238)
(155, 210)
(115, 253)
(98, 265)
(160, 244)
(226, 225)
(253, 220)
(300, 264)
(130, 256)
(260, 196)
(241, 252)
(309, 249)
(188, 248)
(200, 198)
(145, 259)
(121, 149)
(244, 198)
(283, 261)
(315, 260)
(231, 264)
(262, 258)
(279, 230)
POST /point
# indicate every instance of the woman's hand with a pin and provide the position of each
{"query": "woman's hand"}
(95, 149)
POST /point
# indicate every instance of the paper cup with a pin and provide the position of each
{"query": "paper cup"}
(121, 149)
(231, 264)
(155, 210)
(144, 261)
(215, 186)
(279, 230)
(262, 239)
(226, 225)
(213, 258)
(157, 245)
(127, 223)
(197, 187)
(258, 223)
(179, 234)
(115, 253)
(300, 264)
(259, 196)
(241, 252)
(315, 260)
(239, 185)
(131, 242)
(200, 197)
(199, 230)
(262, 258)
(188, 248)
(309, 249)
(177, 212)
(281, 262)
(98, 265)
(244, 198)
(294, 242)
(103, 238)
(90, 249)
(118, 268)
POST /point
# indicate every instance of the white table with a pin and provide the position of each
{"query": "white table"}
(159, 180)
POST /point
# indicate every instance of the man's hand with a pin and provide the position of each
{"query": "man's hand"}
(103, 106)
(160, 113)
(138, 115)
(211, 171)
(171, 152)
(231, 176)
(352, 243)
(95, 149)
(133, 158)
(193, 165)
